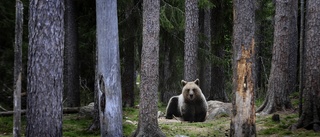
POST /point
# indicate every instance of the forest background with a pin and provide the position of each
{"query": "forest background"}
(216, 86)
(130, 36)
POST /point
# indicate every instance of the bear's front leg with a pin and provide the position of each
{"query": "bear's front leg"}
(189, 114)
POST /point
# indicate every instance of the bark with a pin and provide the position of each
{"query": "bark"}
(169, 80)
(191, 40)
(205, 73)
(108, 74)
(148, 109)
(128, 80)
(258, 40)
(71, 81)
(45, 68)
(309, 118)
(243, 113)
(218, 68)
(218, 91)
(301, 55)
(18, 69)
(166, 73)
(95, 125)
(284, 58)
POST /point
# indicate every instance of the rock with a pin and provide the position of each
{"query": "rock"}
(87, 111)
(218, 108)
(180, 136)
(160, 114)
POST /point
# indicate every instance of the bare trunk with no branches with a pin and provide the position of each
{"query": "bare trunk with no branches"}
(243, 113)
(148, 109)
(282, 80)
(108, 79)
(18, 69)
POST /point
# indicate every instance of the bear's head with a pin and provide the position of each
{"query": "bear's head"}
(191, 90)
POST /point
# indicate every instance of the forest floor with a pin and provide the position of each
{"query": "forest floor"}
(76, 126)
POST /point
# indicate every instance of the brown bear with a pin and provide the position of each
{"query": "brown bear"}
(191, 104)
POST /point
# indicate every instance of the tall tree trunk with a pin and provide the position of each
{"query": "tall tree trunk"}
(301, 55)
(148, 109)
(128, 80)
(95, 125)
(45, 68)
(17, 69)
(166, 71)
(205, 73)
(218, 91)
(191, 40)
(284, 58)
(243, 113)
(71, 79)
(258, 42)
(108, 73)
(218, 77)
(309, 118)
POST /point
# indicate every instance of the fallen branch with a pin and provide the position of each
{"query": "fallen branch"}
(67, 110)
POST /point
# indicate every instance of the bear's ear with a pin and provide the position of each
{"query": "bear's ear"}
(197, 81)
(183, 82)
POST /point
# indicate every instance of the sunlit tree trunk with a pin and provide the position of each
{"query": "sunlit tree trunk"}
(191, 40)
(108, 69)
(45, 68)
(18, 69)
(243, 112)
(282, 80)
(309, 118)
(148, 109)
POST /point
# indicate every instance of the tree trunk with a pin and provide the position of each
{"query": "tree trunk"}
(108, 73)
(45, 68)
(166, 72)
(18, 69)
(128, 80)
(71, 79)
(301, 55)
(205, 73)
(169, 80)
(218, 91)
(258, 41)
(191, 40)
(148, 109)
(95, 125)
(284, 58)
(218, 77)
(311, 105)
(243, 113)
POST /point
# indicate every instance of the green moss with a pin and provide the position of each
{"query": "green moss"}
(6, 124)
(75, 126)
(128, 129)
(269, 131)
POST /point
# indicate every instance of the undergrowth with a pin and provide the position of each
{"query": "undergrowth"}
(75, 126)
